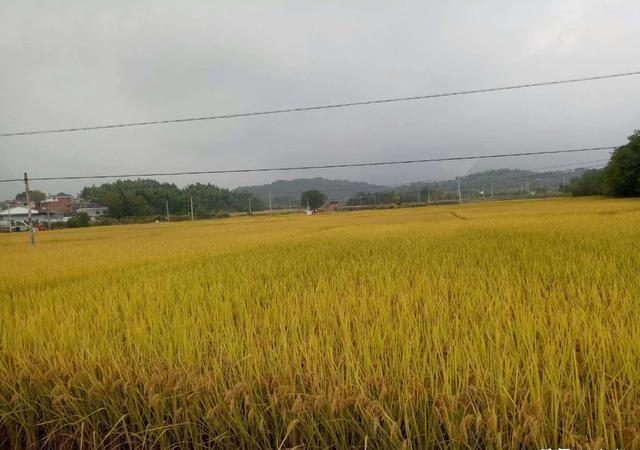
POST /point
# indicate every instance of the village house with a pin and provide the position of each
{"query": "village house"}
(94, 210)
(60, 203)
(13, 216)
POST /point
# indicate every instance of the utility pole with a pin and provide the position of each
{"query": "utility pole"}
(428, 196)
(270, 208)
(459, 193)
(249, 205)
(418, 196)
(26, 191)
(491, 189)
(166, 203)
(564, 183)
(48, 219)
(191, 203)
(10, 227)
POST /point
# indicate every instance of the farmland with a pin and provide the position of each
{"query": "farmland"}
(489, 325)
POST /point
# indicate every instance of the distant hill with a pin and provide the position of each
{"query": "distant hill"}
(283, 191)
(502, 180)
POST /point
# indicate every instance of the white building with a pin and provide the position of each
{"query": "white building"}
(17, 214)
(94, 210)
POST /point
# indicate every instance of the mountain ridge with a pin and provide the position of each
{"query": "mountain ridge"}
(508, 181)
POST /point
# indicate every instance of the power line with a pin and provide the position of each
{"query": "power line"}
(532, 177)
(403, 188)
(398, 190)
(569, 165)
(324, 166)
(577, 165)
(319, 107)
(470, 186)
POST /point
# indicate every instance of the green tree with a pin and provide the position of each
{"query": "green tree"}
(592, 182)
(208, 198)
(622, 174)
(79, 220)
(240, 201)
(34, 196)
(313, 198)
(139, 198)
(380, 198)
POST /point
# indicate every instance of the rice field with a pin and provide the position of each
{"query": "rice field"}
(497, 325)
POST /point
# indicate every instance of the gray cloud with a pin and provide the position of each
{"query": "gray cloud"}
(84, 63)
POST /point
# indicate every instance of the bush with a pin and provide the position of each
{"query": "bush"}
(107, 221)
(56, 225)
(79, 220)
(590, 183)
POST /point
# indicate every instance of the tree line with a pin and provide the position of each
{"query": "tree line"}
(620, 177)
(142, 197)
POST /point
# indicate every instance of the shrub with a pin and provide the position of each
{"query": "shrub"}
(79, 220)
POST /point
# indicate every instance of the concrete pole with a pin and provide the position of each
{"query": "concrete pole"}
(26, 190)
(166, 203)
(459, 193)
(191, 202)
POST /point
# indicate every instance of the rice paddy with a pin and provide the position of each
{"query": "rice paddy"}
(495, 325)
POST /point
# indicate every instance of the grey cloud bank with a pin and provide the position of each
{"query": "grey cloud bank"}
(85, 63)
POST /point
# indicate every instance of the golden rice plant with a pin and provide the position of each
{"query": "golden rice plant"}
(496, 325)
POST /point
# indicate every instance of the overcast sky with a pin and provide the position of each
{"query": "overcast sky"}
(79, 63)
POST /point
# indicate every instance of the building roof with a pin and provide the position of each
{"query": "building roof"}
(94, 206)
(18, 211)
(62, 194)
